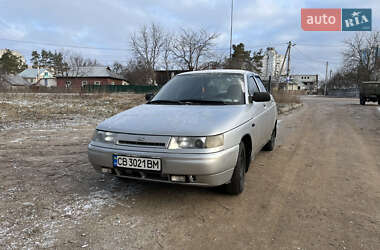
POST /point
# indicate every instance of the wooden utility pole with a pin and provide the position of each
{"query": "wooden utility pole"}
(326, 77)
(287, 56)
(283, 61)
(288, 69)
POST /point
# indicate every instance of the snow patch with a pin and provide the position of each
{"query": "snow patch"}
(17, 140)
(70, 211)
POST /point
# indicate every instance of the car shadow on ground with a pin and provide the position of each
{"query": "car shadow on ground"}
(367, 104)
(122, 188)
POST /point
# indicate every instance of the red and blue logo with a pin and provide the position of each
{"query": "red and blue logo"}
(336, 19)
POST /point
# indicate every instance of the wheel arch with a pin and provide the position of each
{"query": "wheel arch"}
(275, 126)
(247, 140)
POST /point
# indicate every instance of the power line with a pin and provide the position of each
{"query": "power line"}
(309, 57)
(116, 57)
(113, 48)
(320, 45)
(64, 45)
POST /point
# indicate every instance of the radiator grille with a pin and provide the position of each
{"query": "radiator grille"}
(141, 143)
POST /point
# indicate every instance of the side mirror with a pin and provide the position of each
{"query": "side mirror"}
(260, 97)
(149, 96)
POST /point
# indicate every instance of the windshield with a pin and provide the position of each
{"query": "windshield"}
(203, 89)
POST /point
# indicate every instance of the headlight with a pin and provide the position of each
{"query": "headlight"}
(102, 136)
(180, 142)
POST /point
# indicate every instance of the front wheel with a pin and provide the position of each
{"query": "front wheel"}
(236, 186)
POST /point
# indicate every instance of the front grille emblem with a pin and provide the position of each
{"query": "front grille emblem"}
(140, 139)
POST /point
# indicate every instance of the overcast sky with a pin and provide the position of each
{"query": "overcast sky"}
(52, 24)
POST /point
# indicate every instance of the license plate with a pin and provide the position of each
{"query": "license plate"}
(136, 162)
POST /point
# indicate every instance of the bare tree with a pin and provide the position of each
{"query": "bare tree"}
(360, 53)
(136, 73)
(147, 44)
(117, 67)
(75, 65)
(167, 51)
(191, 47)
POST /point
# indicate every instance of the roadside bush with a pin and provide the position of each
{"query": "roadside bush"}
(283, 96)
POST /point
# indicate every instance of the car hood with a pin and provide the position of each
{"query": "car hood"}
(177, 120)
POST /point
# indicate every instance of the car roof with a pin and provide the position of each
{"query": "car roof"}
(236, 71)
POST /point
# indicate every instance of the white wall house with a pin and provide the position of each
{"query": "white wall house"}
(304, 82)
(40, 77)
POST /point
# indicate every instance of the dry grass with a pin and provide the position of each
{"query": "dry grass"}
(286, 97)
(17, 109)
(21, 107)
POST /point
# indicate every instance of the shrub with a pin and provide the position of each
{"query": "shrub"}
(283, 96)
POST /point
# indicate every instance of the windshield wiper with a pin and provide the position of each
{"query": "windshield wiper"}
(200, 101)
(164, 102)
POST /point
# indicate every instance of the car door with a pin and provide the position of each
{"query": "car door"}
(257, 113)
(269, 112)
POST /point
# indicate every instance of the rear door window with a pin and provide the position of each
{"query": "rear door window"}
(252, 87)
(260, 84)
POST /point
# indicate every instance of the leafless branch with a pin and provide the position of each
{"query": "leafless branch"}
(147, 44)
(190, 47)
(359, 55)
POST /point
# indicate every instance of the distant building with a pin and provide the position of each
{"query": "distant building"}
(13, 82)
(40, 77)
(96, 75)
(304, 82)
(15, 53)
(272, 62)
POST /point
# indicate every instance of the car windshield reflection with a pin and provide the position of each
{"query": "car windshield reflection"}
(203, 89)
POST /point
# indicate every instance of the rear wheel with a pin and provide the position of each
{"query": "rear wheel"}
(236, 186)
(272, 142)
(362, 101)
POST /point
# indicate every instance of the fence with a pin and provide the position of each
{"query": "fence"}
(121, 88)
(350, 92)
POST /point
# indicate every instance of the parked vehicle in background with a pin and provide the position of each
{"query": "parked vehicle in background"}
(369, 92)
(202, 128)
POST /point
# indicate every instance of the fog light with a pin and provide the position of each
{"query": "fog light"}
(178, 178)
(192, 178)
(107, 170)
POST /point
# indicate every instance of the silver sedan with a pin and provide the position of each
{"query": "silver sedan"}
(202, 128)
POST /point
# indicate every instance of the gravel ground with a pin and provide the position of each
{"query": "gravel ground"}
(319, 189)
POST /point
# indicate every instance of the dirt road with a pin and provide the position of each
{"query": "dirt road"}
(319, 189)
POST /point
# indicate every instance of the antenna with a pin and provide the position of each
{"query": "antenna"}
(232, 12)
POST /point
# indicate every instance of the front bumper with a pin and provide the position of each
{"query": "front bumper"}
(211, 169)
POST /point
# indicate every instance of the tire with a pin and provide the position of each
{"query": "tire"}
(272, 142)
(362, 101)
(236, 186)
